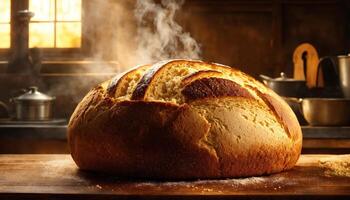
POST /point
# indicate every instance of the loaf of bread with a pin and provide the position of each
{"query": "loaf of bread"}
(184, 119)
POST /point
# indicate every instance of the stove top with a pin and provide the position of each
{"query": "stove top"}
(10, 121)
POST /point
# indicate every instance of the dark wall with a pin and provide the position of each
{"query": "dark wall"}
(260, 36)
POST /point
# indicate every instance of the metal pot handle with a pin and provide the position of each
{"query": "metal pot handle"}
(299, 102)
(265, 78)
(333, 66)
(32, 89)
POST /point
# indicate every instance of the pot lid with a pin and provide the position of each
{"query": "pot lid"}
(283, 77)
(344, 56)
(32, 94)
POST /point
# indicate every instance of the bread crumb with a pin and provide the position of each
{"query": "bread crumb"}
(99, 187)
(336, 166)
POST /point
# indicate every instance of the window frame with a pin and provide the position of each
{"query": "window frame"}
(48, 53)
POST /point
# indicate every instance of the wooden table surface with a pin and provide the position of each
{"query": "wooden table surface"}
(57, 177)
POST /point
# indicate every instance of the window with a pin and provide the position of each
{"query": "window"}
(56, 24)
(5, 18)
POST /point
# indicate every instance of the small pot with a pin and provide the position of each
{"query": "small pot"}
(326, 111)
(33, 105)
(284, 86)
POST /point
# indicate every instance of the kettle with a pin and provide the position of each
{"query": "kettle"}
(336, 72)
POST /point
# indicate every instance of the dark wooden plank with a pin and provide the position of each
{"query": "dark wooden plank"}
(47, 176)
(326, 132)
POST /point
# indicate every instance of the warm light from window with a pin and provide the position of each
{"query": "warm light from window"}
(5, 17)
(42, 35)
(56, 24)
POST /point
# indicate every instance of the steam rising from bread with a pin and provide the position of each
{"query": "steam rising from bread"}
(159, 36)
(131, 33)
(136, 32)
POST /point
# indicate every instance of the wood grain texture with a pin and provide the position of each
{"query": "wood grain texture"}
(312, 61)
(56, 176)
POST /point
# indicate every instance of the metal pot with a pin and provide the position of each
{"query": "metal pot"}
(284, 86)
(33, 105)
(326, 111)
(344, 74)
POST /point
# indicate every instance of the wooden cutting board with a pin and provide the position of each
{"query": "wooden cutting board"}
(57, 177)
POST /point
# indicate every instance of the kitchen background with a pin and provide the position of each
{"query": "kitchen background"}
(75, 44)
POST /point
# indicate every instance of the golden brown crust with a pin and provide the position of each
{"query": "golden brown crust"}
(115, 83)
(244, 150)
(147, 78)
(289, 121)
(213, 87)
(228, 126)
(143, 85)
(199, 75)
(160, 145)
(282, 111)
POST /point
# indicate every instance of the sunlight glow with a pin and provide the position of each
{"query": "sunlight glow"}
(5, 16)
(57, 23)
(68, 35)
(68, 10)
(44, 10)
(41, 35)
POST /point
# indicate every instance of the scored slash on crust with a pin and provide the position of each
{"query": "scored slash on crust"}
(203, 80)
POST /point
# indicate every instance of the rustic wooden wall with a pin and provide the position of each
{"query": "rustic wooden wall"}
(260, 36)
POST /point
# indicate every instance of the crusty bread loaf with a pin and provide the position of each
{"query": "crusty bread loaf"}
(182, 119)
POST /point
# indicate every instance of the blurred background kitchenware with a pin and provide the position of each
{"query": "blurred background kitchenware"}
(306, 60)
(33, 105)
(284, 86)
(344, 74)
(336, 73)
(322, 84)
(327, 79)
(326, 111)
